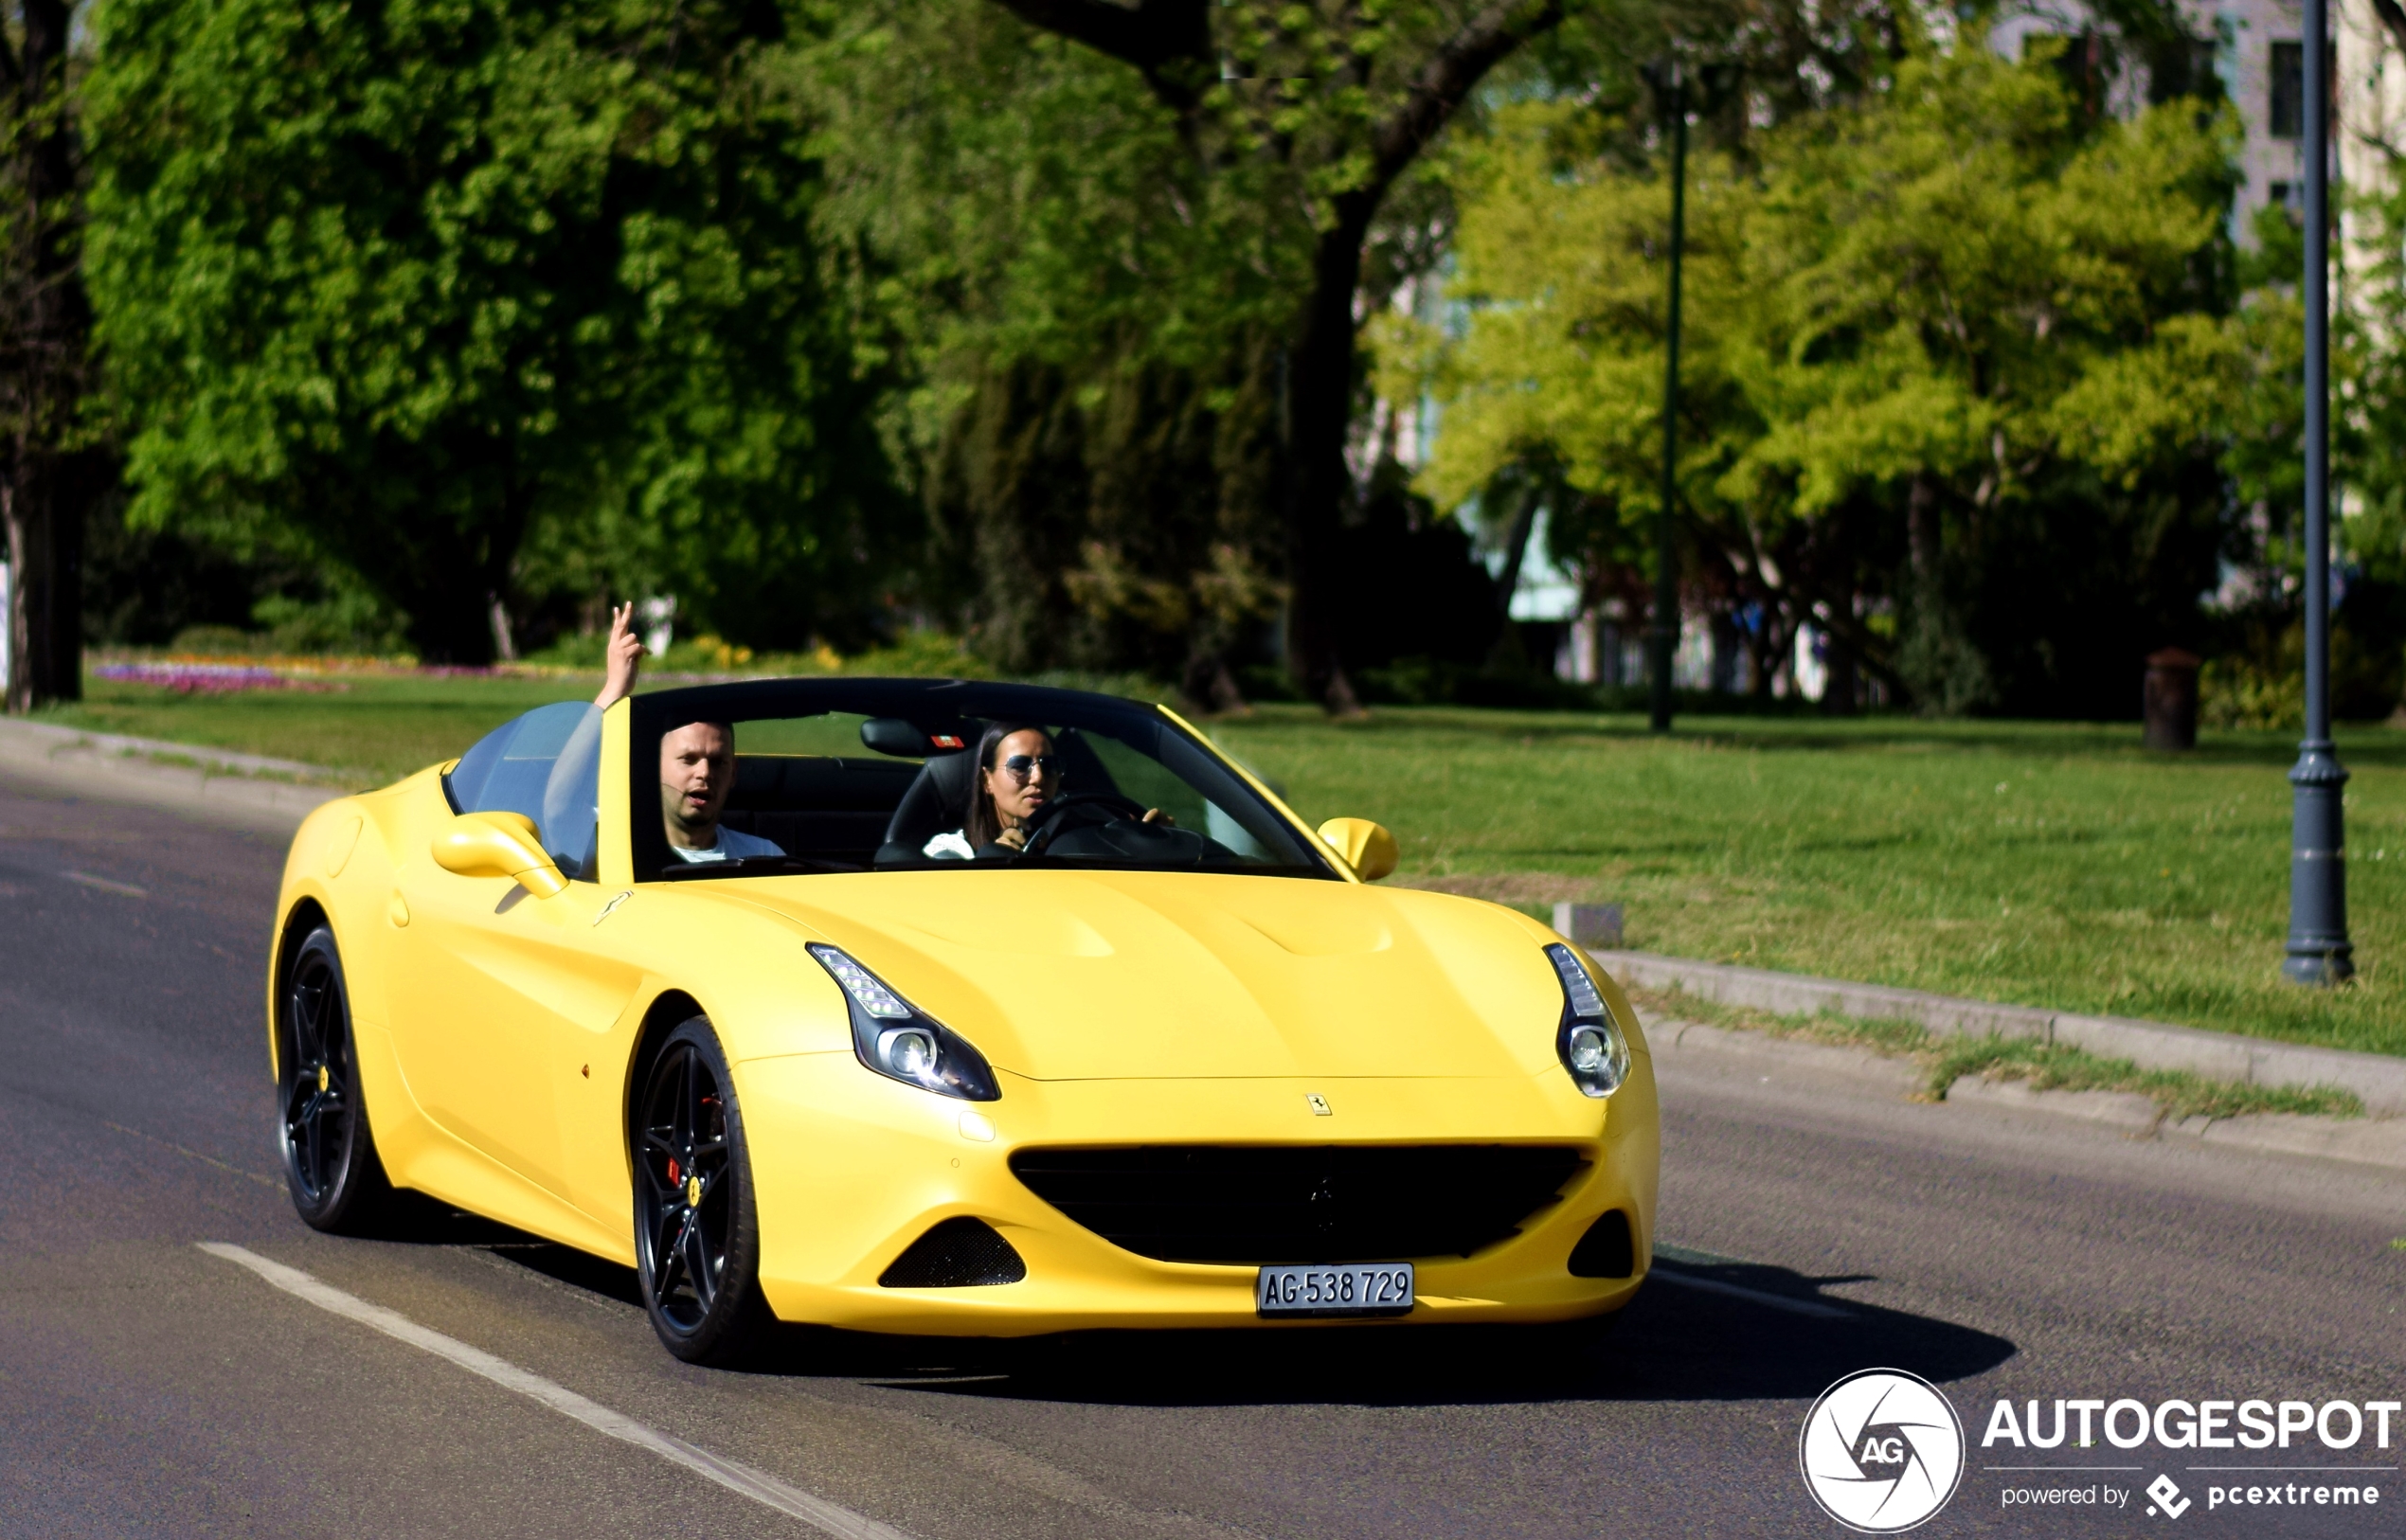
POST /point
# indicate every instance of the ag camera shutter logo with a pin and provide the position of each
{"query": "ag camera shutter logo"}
(1881, 1451)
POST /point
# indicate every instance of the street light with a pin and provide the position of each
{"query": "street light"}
(2319, 952)
(1670, 88)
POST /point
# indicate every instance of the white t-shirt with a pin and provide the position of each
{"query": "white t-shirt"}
(950, 846)
(733, 844)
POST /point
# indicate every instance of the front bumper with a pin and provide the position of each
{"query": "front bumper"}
(850, 1169)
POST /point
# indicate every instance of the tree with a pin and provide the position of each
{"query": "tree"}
(1955, 326)
(53, 470)
(402, 287)
(1319, 111)
(1090, 344)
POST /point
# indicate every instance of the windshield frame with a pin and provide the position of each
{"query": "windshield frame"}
(930, 701)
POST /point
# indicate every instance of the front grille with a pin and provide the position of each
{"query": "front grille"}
(1267, 1204)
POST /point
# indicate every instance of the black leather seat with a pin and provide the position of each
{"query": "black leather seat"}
(834, 809)
(938, 801)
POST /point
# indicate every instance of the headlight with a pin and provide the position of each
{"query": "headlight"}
(1592, 1046)
(902, 1042)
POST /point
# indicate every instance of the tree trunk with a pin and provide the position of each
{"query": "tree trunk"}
(1319, 391)
(1209, 689)
(48, 486)
(46, 579)
(1507, 653)
(1922, 537)
(458, 609)
(1840, 694)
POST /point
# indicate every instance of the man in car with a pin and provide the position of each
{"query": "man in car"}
(697, 765)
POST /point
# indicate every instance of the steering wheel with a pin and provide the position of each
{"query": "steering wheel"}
(1047, 821)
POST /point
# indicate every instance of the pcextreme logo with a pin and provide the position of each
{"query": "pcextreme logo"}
(1881, 1451)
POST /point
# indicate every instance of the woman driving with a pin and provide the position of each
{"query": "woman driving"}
(1017, 774)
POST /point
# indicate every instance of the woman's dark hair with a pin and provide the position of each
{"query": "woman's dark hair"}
(983, 826)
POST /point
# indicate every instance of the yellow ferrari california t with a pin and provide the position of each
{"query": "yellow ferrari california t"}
(941, 1006)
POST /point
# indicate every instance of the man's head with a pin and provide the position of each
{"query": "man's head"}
(697, 768)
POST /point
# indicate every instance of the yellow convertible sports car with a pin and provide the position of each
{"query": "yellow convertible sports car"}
(937, 1007)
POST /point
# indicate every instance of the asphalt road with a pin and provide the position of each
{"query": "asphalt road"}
(148, 1387)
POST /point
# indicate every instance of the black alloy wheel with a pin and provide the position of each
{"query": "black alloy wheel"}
(696, 1231)
(331, 1165)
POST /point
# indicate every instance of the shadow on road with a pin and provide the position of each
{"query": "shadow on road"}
(1677, 1342)
(1697, 1331)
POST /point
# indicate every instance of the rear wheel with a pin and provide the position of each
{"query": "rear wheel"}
(331, 1166)
(696, 1229)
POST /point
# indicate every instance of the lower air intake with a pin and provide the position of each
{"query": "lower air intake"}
(1605, 1251)
(1267, 1204)
(957, 1254)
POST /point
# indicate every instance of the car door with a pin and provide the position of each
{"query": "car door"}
(497, 989)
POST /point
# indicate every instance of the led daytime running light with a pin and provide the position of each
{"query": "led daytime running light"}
(865, 988)
(1576, 986)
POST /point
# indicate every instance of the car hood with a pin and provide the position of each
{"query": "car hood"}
(1092, 976)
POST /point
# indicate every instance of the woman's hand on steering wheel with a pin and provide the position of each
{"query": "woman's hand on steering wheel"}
(1040, 827)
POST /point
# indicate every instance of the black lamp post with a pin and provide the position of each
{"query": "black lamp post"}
(2319, 952)
(1670, 85)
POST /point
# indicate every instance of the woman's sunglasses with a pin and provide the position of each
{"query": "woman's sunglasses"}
(1020, 764)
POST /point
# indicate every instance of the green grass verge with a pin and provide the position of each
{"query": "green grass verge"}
(370, 730)
(2044, 1066)
(2053, 864)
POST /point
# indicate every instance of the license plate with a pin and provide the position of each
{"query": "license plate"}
(1382, 1288)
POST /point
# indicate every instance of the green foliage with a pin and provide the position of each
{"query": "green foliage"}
(1954, 342)
(349, 621)
(1958, 277)
(415, 289)
(2235, 692)
(1116, 285)
(1079, 306)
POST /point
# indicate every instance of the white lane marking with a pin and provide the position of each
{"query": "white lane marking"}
(757, 1485)
(1777, 1302)
(104, 885)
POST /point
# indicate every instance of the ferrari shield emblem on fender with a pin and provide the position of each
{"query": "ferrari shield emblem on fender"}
(1318, 1102)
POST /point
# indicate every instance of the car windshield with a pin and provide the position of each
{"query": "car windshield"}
(842, 777)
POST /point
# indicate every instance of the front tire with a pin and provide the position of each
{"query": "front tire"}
(696, 1228)
(331, 1166)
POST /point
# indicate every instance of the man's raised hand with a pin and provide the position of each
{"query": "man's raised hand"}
(620, 659)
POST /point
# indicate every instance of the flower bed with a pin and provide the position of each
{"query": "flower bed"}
(195, 677)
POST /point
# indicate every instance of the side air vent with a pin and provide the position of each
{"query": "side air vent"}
(957, 1254)
(1605, 1251)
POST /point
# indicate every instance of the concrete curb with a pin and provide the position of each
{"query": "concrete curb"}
(233, 787)
(2376, 1080)
(2355, 1141)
